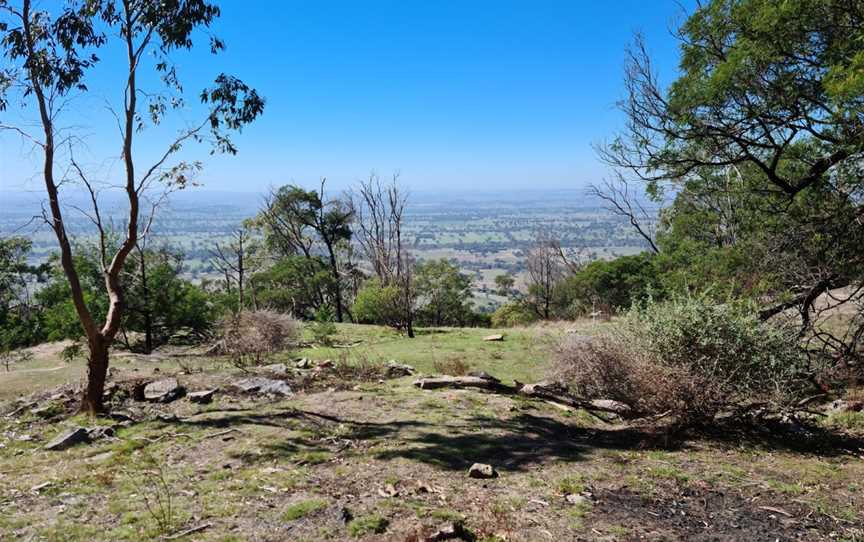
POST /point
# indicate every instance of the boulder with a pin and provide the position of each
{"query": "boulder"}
(264, 386)
(577, 500)
(100, 431)
(482, 470)
(202, 397)
(495, 337)
(163, 391)
(67, 439)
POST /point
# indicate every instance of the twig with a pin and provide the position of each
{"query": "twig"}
(189, 531)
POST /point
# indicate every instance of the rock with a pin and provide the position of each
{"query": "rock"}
(484, 375)
(276, 369)
(203, 396)
(450, 531)
(496, 337)
(482, 470)
(264, 386)
(45, 411)
(841, 406)
(100, 431)
(68, 439)
(326, 364)
(610, 405)
(577, 500)
(396, 369)
(303, 363)
(163, 391)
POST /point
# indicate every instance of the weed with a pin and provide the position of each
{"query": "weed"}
(303, 509)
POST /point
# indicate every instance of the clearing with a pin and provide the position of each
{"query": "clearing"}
(355, 455)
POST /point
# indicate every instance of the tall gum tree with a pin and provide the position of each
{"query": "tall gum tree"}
(50, 52)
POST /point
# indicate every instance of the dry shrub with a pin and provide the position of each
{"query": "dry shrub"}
(250, 336)
(453, 366)
(689, 357)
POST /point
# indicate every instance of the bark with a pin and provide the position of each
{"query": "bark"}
(97, 372)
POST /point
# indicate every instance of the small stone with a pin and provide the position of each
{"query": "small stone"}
(396, 369)
(326, 364)
(576, 500)
(450, 531)
(482, 470)
(163, 391)
(264, 386)
(303, 363)
(276, 369)
(68, 439)
(496, 337)
(101, 431)
(202, 397)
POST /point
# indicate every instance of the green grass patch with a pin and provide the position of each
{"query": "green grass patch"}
(369, 524)
(303, 509)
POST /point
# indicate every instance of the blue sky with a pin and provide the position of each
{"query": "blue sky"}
(456, 94)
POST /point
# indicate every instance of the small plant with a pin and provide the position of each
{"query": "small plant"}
(72, 352)
(249, 336)
(157, 494)
(453, 366)
(323, 329)
(10, 357)
(303, 509)
(369, 524)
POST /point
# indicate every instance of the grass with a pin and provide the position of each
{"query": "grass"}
(369, 524)
(303, 509)
(521, 356)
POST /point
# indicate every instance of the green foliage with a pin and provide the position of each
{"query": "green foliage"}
(369, 524)
(444, 294)
(378, 304)
(690, 356)
(303, 508)
(504, 284)
(609, 285)
(294, 284)
(323, 329)
(513, 314)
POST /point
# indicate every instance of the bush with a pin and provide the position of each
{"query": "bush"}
(513, 314)
(323, 328)
(249, 336)
(687, 356)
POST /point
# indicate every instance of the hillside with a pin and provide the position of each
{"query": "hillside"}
(356, 454)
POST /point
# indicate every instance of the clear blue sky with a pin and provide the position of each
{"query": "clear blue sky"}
(456, 94)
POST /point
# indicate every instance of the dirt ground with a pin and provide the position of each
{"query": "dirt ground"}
(387, 461)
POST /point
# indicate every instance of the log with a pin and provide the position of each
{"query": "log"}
(549, 391)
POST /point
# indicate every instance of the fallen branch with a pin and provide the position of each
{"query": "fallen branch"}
(189, 531)
(545, 391)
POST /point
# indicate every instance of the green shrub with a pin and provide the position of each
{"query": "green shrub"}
(513, 314)
(687, 356)
(303, 508)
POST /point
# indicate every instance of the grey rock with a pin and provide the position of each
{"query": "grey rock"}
(577, 500)
(496, 337)
(482, 470)
(450, 531)
(303, 363)
(264, 386)
(100, 431)
(276, 368)
(202, 397)
(484, 375)
(610, 405)
(163, 391)
(67, 439)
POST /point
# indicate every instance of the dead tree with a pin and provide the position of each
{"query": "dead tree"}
(379, 217)
(544, 274)
(236, 260)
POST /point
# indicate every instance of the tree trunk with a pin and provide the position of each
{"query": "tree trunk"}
(97, 372)
(148, 315)
(337, 283)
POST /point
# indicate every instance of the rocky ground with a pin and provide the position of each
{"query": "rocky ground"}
(315, 450)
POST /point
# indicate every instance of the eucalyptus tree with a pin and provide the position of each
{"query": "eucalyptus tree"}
(763, 131)
(50, 53)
